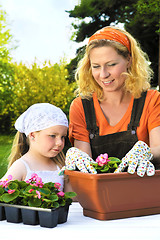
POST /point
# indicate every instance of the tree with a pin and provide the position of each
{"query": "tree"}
(6, 71)
(149, 12)
(95, 14)
(34, 84)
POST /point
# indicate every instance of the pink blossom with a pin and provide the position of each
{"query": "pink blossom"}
(34, 176)
(30, 190)
(38, 194)
(10, 191)
(60, 194)
(102, 159)
(9, 178)
(5, 182)
(38, 180)
(41, 185)
(57, 185)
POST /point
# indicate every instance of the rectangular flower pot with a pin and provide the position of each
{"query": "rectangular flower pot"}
(2, 213)
(63, 214)
(13, 214)
(30, 216)
(116, 195)
(48, 218)
(34, 215)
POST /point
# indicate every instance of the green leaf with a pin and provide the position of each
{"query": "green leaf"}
(13, 185)
(1, 191)
(55, 205)
(70, 194)
(53, 197)
(6, 197)
(44, 191)
(114, 159)
(34, 202)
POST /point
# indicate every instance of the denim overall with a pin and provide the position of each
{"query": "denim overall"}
(116, 144)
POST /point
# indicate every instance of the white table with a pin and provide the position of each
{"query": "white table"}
(85, 228)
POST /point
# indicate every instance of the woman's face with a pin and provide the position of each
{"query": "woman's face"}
(107, 67)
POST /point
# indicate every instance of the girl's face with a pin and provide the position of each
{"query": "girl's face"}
(107, 67)
(49, 142)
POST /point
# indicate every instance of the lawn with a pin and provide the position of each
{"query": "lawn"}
(5, 147)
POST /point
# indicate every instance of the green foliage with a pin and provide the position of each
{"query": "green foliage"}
(41, 84)
(5, 148)
(34, 84)
(140, 18)
(149, 11)
(22, 85)
(34, 193)
(6, 72)
(110, 167)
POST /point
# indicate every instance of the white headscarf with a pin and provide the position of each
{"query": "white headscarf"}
(40, 116)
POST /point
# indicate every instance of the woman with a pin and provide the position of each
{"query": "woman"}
(115, 107)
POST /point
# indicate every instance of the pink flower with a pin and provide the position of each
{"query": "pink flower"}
(38, 180)
(60, 194)
(34, 176)
(102, 159)
(30, 190)
(10, 191)
(9, 178)
(38, 194)
(57, 185)
(5, 182)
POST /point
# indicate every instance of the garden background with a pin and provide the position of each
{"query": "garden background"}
(22, 85)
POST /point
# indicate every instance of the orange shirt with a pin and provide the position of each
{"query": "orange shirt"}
(150, 119)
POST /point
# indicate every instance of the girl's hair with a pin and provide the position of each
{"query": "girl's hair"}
(137, 78)
(20, 146)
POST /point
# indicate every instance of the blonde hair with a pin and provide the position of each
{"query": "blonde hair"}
(137, 78)
(20, 146)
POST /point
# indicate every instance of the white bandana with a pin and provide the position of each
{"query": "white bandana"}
(40, 116)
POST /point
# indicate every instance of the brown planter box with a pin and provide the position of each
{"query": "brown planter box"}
(116, 195)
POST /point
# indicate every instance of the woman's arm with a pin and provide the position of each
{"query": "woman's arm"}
(84, 146)
(154, 138)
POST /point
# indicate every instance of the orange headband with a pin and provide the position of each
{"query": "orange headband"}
(111, 34)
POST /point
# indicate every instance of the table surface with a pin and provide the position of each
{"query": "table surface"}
(81, 227)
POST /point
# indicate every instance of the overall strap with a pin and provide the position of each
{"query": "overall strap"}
(137, 112)
(90, 117)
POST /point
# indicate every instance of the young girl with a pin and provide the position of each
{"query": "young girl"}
(38, 144)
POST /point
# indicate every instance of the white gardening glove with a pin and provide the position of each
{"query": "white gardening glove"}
(75, 158)
(139, 156)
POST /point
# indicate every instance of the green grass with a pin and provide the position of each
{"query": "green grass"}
(5, 148)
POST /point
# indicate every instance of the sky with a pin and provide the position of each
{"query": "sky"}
(42, 29)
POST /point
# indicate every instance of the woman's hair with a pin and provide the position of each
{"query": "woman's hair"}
(137, 78)
(20, 146)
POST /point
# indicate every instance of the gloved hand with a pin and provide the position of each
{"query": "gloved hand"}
(77, 158)
(139, 156)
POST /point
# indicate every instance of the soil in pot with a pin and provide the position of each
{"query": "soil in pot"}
(48, 218)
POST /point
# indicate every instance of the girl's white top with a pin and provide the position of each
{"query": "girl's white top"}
(47, 176)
